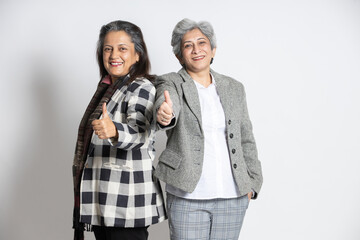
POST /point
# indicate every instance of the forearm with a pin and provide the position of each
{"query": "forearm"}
(130, 137)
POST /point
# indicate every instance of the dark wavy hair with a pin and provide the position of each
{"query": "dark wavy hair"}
(138, 69)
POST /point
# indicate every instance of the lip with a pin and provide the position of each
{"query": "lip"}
(116, 64)
(199, 58)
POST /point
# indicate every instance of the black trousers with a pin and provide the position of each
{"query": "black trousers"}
(116, 233)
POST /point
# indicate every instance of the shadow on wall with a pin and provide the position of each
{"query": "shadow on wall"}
(40, 196)
(40, 205)
(160, 231)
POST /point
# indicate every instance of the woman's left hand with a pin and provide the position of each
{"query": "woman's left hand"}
(104, 128)
(249, 195)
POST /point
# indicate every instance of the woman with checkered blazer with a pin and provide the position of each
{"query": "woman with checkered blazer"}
(115, 193)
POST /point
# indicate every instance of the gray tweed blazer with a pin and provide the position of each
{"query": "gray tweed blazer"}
(180, 164)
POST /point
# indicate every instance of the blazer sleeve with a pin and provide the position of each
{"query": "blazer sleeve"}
(249, 148)
(162, 83)
(133, 133)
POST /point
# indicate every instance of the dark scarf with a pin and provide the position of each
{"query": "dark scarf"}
(93, 111)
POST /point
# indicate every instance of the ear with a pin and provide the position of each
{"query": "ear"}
(137, 57)
(213, 52)
(180, 59)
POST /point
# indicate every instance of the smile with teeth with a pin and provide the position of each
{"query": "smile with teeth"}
(198, 58)
(116, 63)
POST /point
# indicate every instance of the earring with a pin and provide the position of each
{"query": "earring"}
(212, 59)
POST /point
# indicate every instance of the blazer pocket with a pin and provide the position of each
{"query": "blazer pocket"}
(170, 158)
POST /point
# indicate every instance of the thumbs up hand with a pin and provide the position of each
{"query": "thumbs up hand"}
(104, 128)
(165, 112)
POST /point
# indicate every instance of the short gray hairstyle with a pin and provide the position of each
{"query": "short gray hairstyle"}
(187, 25)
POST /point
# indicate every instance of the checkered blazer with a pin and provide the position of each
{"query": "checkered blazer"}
(117, 187)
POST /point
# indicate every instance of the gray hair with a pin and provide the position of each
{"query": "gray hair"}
(187, 25)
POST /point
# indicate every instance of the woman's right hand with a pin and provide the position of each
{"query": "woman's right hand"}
(165, 112)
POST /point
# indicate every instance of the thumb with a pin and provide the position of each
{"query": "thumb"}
(167, 98)
(105, 114)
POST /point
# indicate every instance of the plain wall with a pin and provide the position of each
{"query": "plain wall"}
(300, 64)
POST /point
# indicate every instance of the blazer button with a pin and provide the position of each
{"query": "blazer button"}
(231, 135)
(233, 151)
(229, 122)
(235, 165)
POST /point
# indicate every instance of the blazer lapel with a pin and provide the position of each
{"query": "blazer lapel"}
(191, 94)
(224, 93)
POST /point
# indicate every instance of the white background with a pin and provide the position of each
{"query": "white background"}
(300, 64)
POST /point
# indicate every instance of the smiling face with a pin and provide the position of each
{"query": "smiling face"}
(196, 52)
(118, 54)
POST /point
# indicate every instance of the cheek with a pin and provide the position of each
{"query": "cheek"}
(185, 55)
(186, 52)
(131, 59)
(105, 58)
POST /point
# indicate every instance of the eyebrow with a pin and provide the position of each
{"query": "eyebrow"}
(202, 38)
(116, 45)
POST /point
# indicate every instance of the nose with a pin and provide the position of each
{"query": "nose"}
(196, 49)
(114, 54)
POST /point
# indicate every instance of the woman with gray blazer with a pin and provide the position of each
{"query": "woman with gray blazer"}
(210, 163)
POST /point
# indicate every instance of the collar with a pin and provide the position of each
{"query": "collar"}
(213, 82)
(185, 75)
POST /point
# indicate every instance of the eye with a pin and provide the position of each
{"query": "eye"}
(202, 43)
(123, 49)
(187, 45)
(107, 49)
